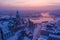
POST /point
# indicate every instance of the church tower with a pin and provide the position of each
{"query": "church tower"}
(17, 15)
(18, 18)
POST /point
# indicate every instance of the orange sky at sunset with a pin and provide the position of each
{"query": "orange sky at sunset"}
(29, 3)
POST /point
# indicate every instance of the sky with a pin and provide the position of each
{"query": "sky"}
(10, 6)
(7, 5)
(29, 3)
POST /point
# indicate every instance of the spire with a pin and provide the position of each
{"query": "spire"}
(17, 15)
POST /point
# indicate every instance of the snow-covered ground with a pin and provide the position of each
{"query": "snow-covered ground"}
(37, 31)
(4, 26)
(5, 29)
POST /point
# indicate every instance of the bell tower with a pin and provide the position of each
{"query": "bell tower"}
(17, 15)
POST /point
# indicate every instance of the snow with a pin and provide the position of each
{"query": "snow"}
(15, 36)
(36, 33)
(42, 26)
(25, 38)
(55, 36)
(42, 37)
(4, 27)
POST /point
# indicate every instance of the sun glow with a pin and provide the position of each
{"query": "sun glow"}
(45, 17)
(45, 14)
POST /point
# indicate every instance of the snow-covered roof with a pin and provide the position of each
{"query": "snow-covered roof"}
(42, 37)
(55, 36)
(42, 20)
(15, 37)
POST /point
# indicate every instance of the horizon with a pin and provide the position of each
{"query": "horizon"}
(27, 6)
